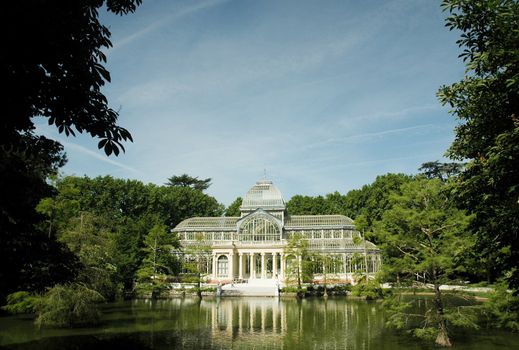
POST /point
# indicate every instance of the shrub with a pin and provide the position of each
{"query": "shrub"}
(69, 305)
(502, 309)
(371, 290)
(291, 289)
(22, 303)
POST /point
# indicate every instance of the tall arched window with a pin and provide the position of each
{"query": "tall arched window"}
(223, 266)
(259, 228)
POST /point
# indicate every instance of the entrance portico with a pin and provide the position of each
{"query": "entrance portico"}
(246, 264)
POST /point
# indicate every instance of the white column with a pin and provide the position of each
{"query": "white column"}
(263, 270)
(240, 266)
(282, 262)
(252, 264)
(231, 266)
(275, 265)
(214, 266)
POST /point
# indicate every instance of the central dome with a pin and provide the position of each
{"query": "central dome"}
(263, 195)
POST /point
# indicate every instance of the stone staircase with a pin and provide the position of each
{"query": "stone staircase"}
(253, 288)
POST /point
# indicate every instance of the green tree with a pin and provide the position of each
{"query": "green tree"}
(53, 65)
(29, 259)
(426, 235)
(196, 257)
(306, 205)
(89, 237)
(234, 208)
(486, 104)
(174, 204)
(69, 305)
(442, 171)
(185, 180)
(159, 261)
(373, 200)
(297, 258)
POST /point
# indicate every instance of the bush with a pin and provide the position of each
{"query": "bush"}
(290, 290)
(69, 305)
(503, 309)
(371, 290)
(22, 303)
(341, 289)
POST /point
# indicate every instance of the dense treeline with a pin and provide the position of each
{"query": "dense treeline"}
(118, 215)
(98, 237)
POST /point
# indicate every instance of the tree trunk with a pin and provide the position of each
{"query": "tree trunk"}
(199, 291)
(443, 336)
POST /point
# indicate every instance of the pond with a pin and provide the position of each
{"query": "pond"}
(237, 323)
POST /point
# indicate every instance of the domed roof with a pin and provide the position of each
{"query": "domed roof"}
(263, 195)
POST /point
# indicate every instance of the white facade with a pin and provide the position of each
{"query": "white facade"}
(256, 244)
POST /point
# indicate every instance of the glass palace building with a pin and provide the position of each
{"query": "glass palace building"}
(255, 244)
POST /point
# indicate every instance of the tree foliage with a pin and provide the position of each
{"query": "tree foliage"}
(486, 103)
(299, 265)
(185, 180)
(105, 221)
(195, 255)
(234, 208)
(158, 262)
(69, 305)
(51, 67)
(442, 171)
(52, 64)
(425, 235)
(29, 258)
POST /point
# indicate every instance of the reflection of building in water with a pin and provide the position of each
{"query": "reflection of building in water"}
(273, 323)
(253, 316)
(253, 246)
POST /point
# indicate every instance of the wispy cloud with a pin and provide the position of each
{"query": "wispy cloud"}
(368, 136)
(92, 154)
(152, 91)
(164, 20)
(390, 115)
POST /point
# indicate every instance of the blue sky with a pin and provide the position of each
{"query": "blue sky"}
(324, 95)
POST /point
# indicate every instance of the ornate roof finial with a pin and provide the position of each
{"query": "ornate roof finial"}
(264, 173)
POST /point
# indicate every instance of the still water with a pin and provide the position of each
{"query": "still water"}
(236, 323)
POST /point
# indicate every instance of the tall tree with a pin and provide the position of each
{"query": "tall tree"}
(159, 261)
(196, 257)
(426, 235)
(185, 180)
(486, 103)
(297, 258)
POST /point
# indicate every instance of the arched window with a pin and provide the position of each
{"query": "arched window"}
(223, 266)
(259, 228)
